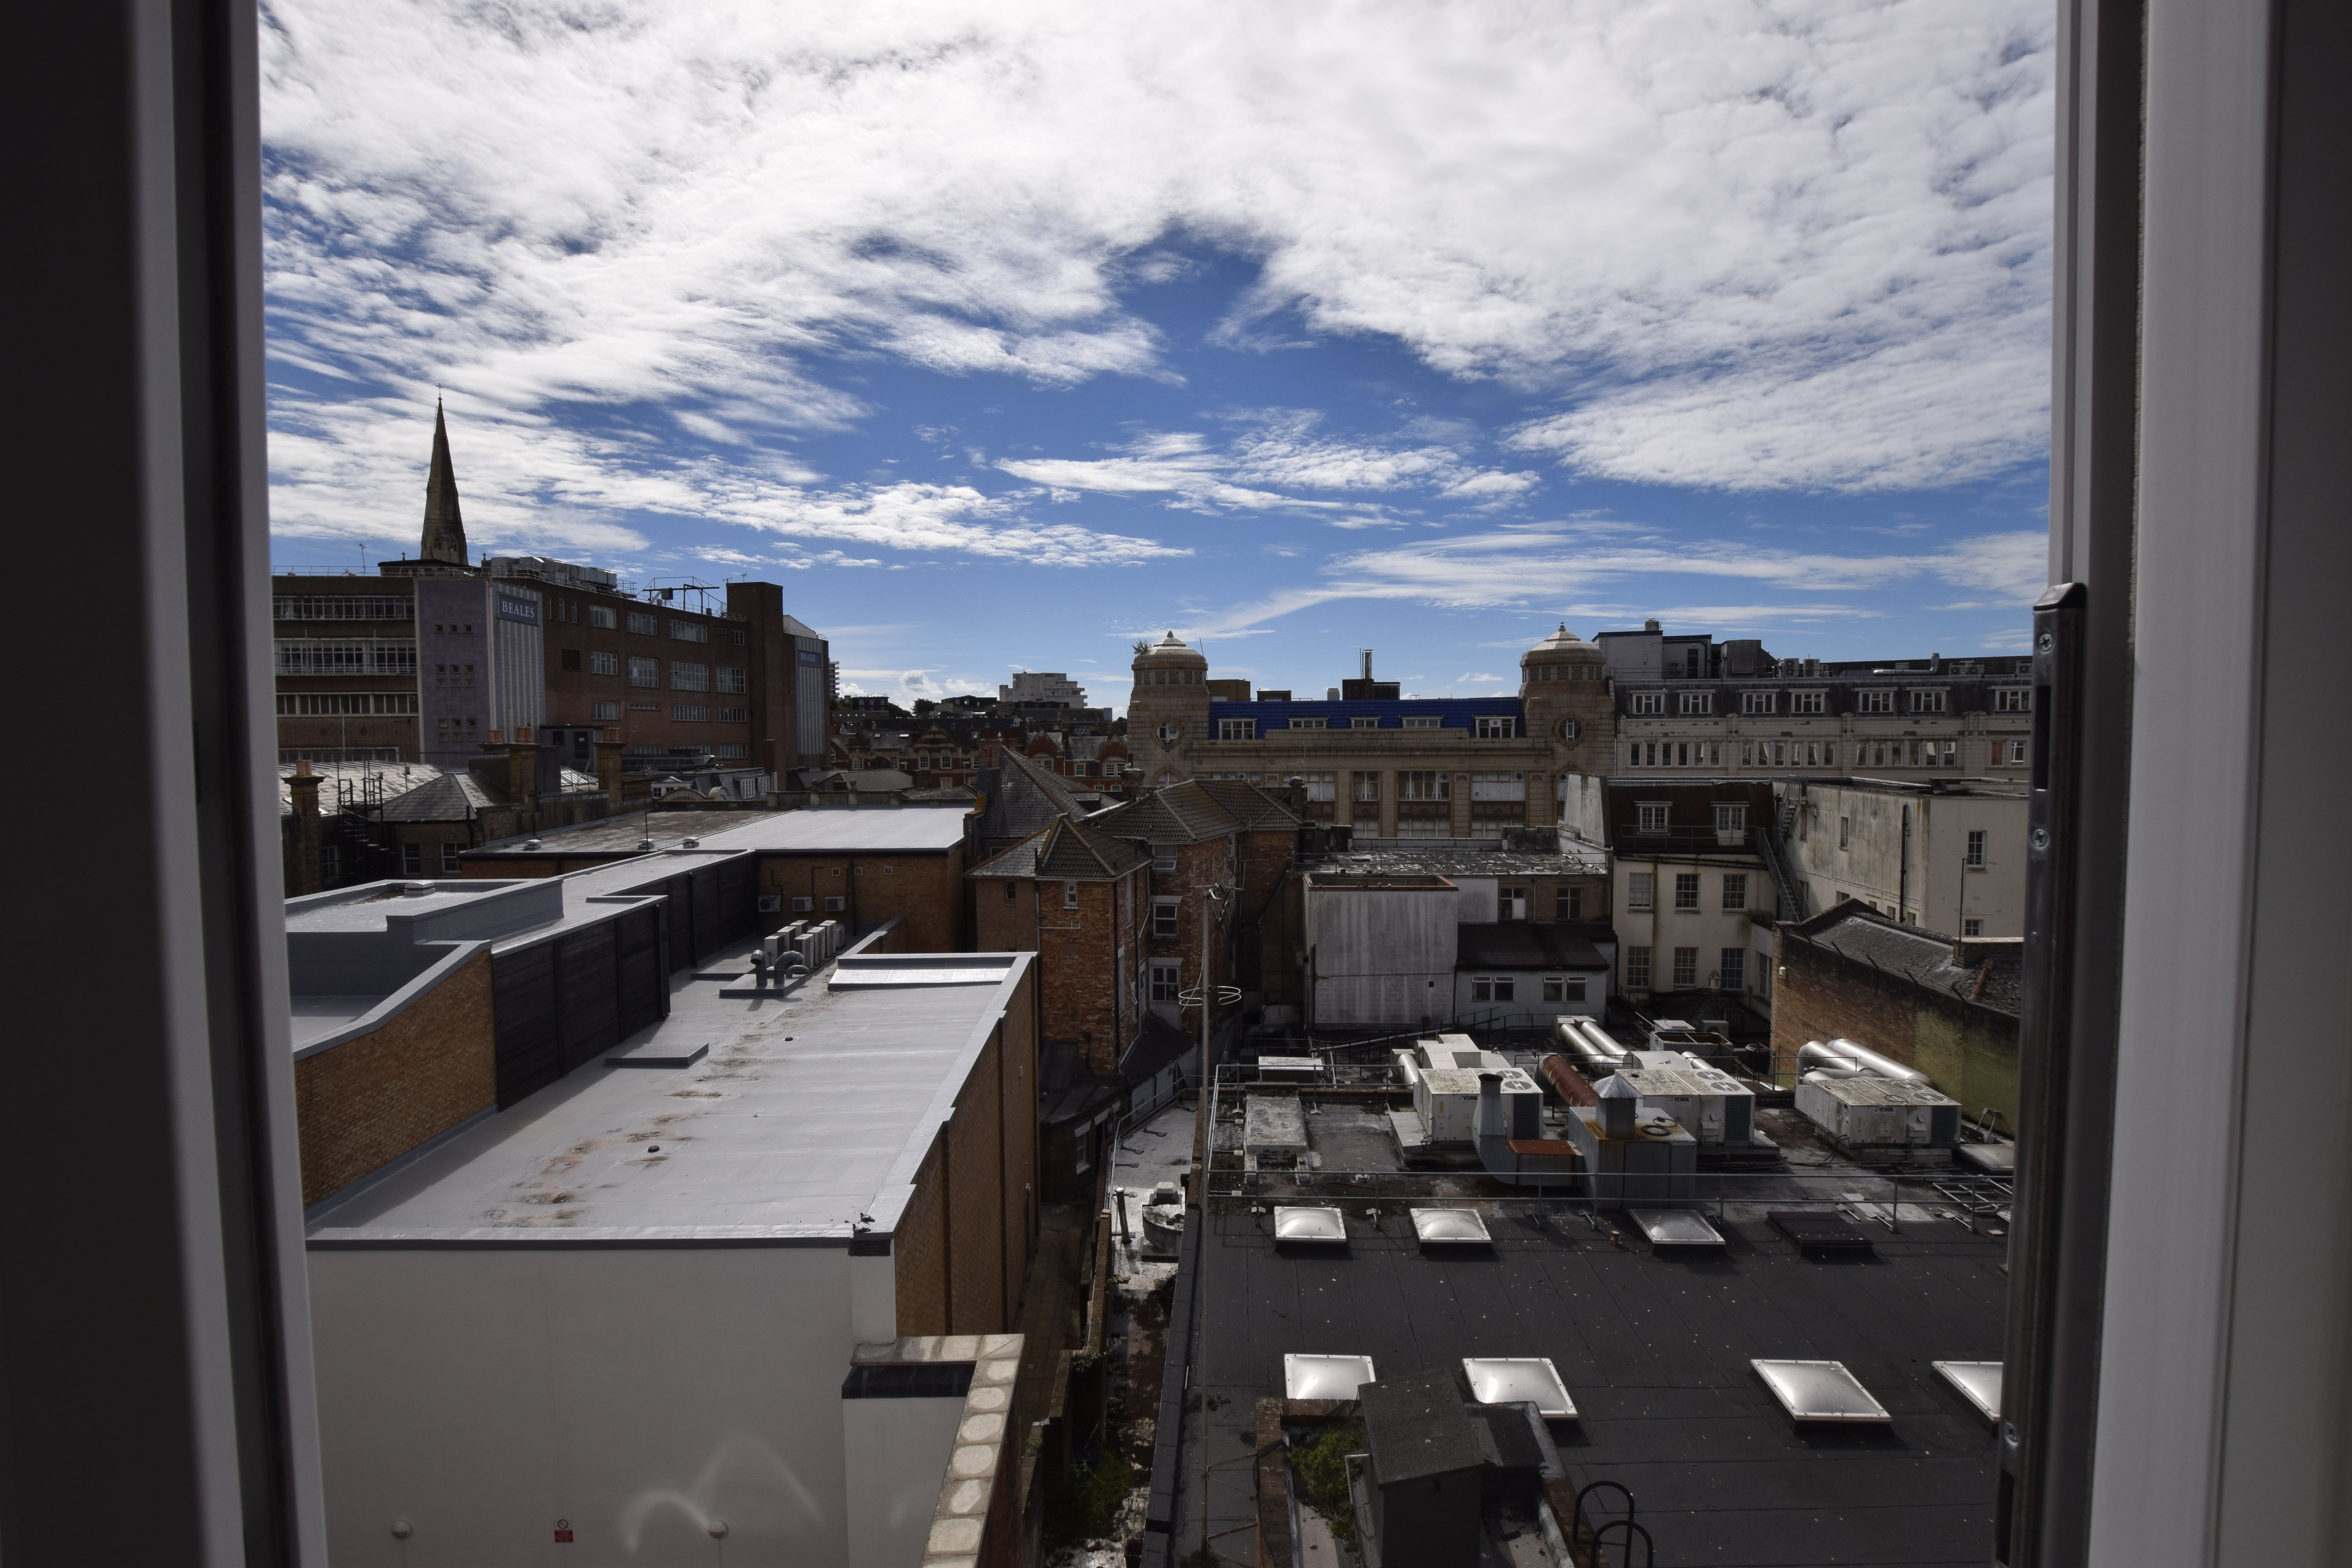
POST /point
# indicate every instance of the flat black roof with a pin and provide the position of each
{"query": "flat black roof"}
(1654, 1350)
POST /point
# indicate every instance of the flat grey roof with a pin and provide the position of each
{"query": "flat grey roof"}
(607, 835)
(876, 830)
(807, 1112)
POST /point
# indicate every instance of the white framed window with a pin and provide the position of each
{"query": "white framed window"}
(1758, 701)
(1423, 827)
(1510, 903)
(2012, 699)
(308, 656)
(1649, 703)
(689, 631)
(1946, 754)
(1735, 892)
(449, 851)
(1809, 702)
(602, 615)
(1975, 858)
(1928, 702)
(1364, 722)
(1069, 895)
(1733, 976)
(1236, 728)
(1730, 818)
(605, 710)
(334, 704)
(412, 860)
(1495, 727)
(1972, 926)
(733, 752)
(340, 608)
(1697, 701)
(1685, 968)
(1310, 723)
(2013, 754)
(1651, 815)
(1498, 786)
(1874, 702)
(645, 671)
(1568, 903)
(686, 676)
(604, 663)
(734, 715)
(645, 625)
(1167, 979)
(1424, 786)
(1422, 721)
(1492, 988)
(1687, 889)
(1367, 788)
(733, 681)
(1318, 787)
(690, 713)
(1637, 967)
(1165, 914)
(1641, 889)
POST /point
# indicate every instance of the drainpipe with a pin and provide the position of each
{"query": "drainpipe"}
(1903, 871)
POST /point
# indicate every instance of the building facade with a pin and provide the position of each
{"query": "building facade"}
(1949, 856)
(1387, 766)
(1695, 899)
(435, 657)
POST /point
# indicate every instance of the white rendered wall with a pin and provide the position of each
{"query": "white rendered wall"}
(482, 1393)
(895, 1453)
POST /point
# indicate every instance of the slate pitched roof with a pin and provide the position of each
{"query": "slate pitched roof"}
(1254, 807)
(452, 797)
(1856, 931)
(1066, 851)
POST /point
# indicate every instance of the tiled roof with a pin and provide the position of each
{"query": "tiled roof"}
(1065, 851)
(1526, 944)
(452, 797)
(1254, 806)
(1856, 931)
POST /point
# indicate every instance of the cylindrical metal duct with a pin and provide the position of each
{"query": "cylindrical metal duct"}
(1566, 1081)
(1490, 1123)
(1572, 1039)
(1612, 1054)
(1813, 1057)
(1874, 1064)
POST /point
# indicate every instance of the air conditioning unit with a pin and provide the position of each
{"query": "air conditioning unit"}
(802, 905)
(771, 903)
(834, 903)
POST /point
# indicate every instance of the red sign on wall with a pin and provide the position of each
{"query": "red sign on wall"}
(563, 1532)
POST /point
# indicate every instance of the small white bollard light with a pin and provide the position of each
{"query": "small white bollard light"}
(402, 1529)
(717, 1528)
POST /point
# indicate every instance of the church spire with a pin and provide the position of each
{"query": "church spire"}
(444, 527)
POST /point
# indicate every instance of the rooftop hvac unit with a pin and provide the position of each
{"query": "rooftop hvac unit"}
(1710, 1105)
(1878, 1113)
(771, 903)
(1446, 1098)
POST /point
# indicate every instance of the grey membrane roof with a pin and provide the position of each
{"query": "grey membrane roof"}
(808, 1113)
(1856, 931)
(865, 830)
(621, 835)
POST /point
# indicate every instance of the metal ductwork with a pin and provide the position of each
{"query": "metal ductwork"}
(1850, 1059)
(1516, 1161)
(1588, 1044)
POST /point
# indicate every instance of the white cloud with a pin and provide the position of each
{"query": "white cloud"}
(1743, 243)
(1539, 567)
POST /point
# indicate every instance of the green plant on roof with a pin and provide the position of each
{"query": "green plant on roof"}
(1321, 1466)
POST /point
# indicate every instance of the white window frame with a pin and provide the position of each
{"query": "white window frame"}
(1512, 904)
(1236, 728)
(2012, 699)
(1422, 721)
(604, 615)
(642, 624)
(450, 850)
(1309, 723)
(644, 672)
(1874, 702)
(690, 631)
(1758, 701)
(1650, 702)
(1653, 815)
(1809, 702)
(1687, 892)
(1364, 721)
(1495, 727)
(1167, 917)
(1929, 700)
(1974, 858)
(1696, 703)
(606, 712)
(1735, 892)
(1686, 971)
(687, 677)
(1164, 979)
(1640, 890)
(1639, 958)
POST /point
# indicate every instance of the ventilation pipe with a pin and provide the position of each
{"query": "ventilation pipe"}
(1621, 1107)
(1849, 1058)
(1531, 1163)
(1572, 1039)
(1597, 1046)
(1566, 1081)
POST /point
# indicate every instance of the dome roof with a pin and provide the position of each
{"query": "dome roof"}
(1562, 644)
(1168, 651)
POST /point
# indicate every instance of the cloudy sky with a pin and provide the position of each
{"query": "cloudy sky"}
(1002, 335)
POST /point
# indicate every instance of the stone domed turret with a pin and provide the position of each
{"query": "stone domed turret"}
(1154, 663)
(1169, 706)
(1563, 655)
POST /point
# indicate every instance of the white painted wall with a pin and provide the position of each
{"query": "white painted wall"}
(895, 1455)
(1926, 879)
(1711, 927)
(482, 1393)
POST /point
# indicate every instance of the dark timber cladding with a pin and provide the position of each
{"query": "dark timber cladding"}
(564, 1001)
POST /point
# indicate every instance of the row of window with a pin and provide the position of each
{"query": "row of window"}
(318, 655)
(1924, 699)
(1901, 754)
(1730, 973)
(1642, 891)
(728, 679)
(1505, 987)
(344, 704)
(1483, 726)
(341, 607)
(1657, 816)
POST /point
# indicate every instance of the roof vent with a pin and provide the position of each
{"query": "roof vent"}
(644, 846)
(689, 843)
(416, 890)
(531, 844)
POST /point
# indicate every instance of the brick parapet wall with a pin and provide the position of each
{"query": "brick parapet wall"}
(371, 1099)
(1969, 1049)
(928, 890)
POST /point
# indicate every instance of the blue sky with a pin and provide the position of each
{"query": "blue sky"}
(1004, 337)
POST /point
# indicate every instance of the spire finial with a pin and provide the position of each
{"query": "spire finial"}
(445, 524)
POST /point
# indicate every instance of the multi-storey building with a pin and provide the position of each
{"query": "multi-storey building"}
(1388, 766)
(1045, 688)
(1697, 881)
(1946, 856)
(1732, 709)
(432, 658)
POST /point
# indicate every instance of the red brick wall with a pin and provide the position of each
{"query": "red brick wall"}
(1078, 956)
(928, 890)
(1969, 1051)
(372, 1100)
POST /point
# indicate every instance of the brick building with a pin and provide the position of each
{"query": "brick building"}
(1946, 1006)
(431, 658)
(1080, 900)
(1389, 766)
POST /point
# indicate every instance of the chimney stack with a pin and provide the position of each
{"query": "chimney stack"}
(304, 872)
(610, 749)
